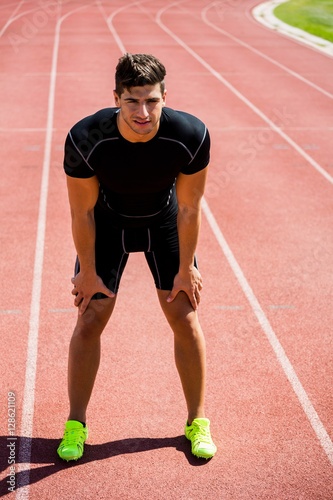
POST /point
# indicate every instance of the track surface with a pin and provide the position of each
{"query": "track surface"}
(265, 254)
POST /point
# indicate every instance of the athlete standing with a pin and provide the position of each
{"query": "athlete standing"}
(136, 175)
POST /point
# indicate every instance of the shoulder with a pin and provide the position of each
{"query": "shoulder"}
(185, 129)
(190, 134)
(182, 124)
(97, 126)
(83, 139)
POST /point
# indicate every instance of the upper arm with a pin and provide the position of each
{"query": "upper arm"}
(82, 194)
(190, 189)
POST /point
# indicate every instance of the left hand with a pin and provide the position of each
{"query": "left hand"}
(85, 285)
(189, 282)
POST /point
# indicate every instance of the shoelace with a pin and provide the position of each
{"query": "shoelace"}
(71, 437)
(202, 433)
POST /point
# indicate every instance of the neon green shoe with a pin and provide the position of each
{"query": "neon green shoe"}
(72, 444)
(199, 435)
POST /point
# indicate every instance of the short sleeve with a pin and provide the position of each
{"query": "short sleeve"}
(75, 164)
(201, 156)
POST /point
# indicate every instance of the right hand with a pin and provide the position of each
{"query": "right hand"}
(86, 284)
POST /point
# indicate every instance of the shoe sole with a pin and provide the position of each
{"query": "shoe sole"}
(68, 459)
(202, 456)
(197, 454)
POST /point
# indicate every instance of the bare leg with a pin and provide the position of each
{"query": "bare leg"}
(190, 350)
(84, 355)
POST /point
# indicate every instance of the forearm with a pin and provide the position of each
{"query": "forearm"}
(84, 235)
(188, 222)
(83, 194)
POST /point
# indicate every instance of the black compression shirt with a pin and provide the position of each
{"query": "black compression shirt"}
(136, 179)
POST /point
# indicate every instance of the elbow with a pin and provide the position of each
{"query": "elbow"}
(189, 209)
(79, 215)
(189, 215)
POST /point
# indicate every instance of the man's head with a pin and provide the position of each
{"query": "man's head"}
(140, 95)
(136, 70)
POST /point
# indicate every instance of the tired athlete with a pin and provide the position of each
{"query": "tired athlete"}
(136, 175)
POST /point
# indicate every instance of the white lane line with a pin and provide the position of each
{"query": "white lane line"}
(109, 22)
(33, 23)
(259, 53)
(231, 128)
(287, 367)
(240, 96)
(11, 18)
(32, 349)
(19, 130)
(10, 311)
(283, 359)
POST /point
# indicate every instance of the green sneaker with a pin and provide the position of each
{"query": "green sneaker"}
(199, 435)
(72, 444)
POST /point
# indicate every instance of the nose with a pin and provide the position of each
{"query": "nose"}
(143, 111)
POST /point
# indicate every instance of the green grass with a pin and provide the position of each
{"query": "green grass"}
(313, 16)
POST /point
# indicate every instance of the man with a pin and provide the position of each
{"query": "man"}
(136, 174)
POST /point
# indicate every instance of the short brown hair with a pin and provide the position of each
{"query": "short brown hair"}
(136, 70)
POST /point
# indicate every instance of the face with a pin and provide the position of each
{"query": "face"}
(140, 112)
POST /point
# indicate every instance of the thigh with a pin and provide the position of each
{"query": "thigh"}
(110, 255)
(163, 255)
(179, 313)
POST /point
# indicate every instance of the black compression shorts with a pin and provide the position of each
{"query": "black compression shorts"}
(113, 246)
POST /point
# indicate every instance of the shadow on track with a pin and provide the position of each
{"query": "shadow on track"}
(43, 451)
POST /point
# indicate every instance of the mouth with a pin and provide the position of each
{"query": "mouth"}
(141, 123)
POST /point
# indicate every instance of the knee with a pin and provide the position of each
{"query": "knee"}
(185, 325)
(89, 326)
(92, 323)
(182, 321)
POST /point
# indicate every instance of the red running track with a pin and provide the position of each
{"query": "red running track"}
(265, 253)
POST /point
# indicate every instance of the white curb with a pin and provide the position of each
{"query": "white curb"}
(263, 13)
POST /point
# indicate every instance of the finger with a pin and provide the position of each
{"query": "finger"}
(83, 306)
(197, 294)
(108, 292)
(77, 301)
(194, 302)
(172, 295)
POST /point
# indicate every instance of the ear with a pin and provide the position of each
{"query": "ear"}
(116, 99)
(164, 97)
